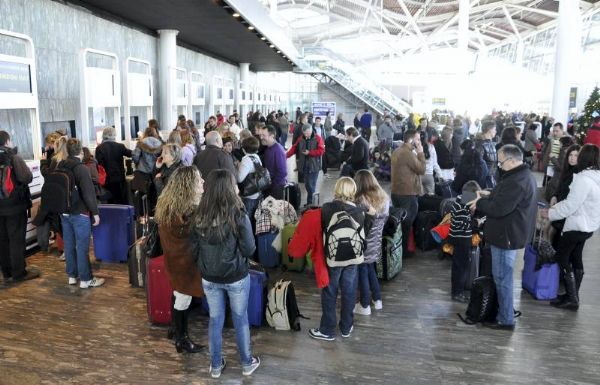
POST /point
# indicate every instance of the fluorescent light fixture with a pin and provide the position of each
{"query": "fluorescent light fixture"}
(272, 45)
(236, 15)
(251, 28)
(263, 38)
(278, 51)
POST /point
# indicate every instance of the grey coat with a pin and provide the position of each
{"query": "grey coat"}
(373, 251)
(145, 154)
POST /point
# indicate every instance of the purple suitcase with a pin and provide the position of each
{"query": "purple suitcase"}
(114, 234)
(541, 284)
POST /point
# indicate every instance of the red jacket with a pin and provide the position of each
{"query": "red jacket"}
(593, 135)
(309, 237)
(319, 151)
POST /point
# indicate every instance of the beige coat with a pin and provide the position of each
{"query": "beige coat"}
(407, 169)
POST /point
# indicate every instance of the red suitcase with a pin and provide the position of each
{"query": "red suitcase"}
(158, 291)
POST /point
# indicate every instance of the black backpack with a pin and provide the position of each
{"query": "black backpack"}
(257, 181)
(60, 192)
(395, 218)
(483, 306)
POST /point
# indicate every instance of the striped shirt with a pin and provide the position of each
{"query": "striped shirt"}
(461, 221)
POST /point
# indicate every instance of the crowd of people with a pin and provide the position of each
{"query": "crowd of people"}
(196, 182)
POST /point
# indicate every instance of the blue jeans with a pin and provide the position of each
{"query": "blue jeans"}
(76, 236)
(238, 293)
(343, 278)
(283, 137)
(502, 270)
(368, 283)
(310, 181)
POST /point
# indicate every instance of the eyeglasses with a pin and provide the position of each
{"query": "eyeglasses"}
(504, 161)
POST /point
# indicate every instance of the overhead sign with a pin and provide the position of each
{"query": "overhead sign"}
(573, 97)
(322, 108)
(438, 102)
(15, 77)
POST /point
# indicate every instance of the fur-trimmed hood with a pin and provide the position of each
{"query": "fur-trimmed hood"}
(150, 145)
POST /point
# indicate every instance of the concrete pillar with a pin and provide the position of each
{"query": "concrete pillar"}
(244, 75)
(567, 57)
(463, 25)
(166, 70)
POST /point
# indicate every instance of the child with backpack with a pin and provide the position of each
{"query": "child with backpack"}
(344, 242)
(461, 231)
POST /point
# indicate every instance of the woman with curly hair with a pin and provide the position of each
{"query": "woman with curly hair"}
(174, 214)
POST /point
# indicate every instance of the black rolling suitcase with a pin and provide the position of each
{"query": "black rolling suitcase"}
(426, 220)
(292, 194)
(136, 259)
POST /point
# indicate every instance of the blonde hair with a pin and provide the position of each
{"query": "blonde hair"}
(180, 198)
(369, 191)
(186, 137)
(222, 127)
(52, 137)
(60, 149)
(175, 138)
(345, 189)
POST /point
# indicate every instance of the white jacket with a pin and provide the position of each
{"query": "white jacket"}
(581, 208)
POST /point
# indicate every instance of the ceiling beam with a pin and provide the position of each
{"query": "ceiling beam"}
(411, 20)
(534, 10)
(511, 22)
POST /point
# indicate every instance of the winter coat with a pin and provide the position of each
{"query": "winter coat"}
(359, 158)
(531, 140)
(365, 121)
(224, 261)
(180, 264)
(580, 209)
(86, 202)
(20, 198)
(160, 181)
(316, 149)
(110, 155)
(327, 126)
(212, 158)
(457, 139)
(188, 152)
(511, 210)
(444, 155)
(487, 150)
(374, 236)
(340, 126)
(407, 169)
(385, 132)
(145, 154)
(308, 237)
(466, 172)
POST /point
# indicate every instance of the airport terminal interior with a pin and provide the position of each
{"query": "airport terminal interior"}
(513, 84)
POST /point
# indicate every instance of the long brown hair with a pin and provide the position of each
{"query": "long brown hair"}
(180, 197)
(60, 149)
(369, 191)
(220, 206)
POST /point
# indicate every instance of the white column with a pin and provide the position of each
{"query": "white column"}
(244, 76)
(244, 72)
(463, 25)
(568, 55)
(166, 69)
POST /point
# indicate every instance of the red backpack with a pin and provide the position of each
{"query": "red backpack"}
(101, 175)
(7, 185)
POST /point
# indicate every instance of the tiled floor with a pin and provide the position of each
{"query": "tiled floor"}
(51, 333)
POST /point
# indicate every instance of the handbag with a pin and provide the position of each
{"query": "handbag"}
(141, 182)
(257, 181)
(151, 247)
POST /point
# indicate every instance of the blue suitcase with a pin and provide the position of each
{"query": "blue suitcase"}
(115, 233)
(542, 284)
(257, 300)
(267, 255)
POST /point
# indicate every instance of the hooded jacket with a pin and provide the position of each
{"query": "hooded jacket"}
(188, 152)
(308, 237)
(580, 209)
(224, 261)
(145, 153)
(510, 210)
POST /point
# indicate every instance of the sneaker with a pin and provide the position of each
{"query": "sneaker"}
(248, 370)
(378, 305)
(216, 372)
(460, 298)
(72, 281)
(316, 334)
(358, 309)
(94, 282)
(62, 257)
(347, 335)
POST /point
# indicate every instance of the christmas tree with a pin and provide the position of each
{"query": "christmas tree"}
(591, 109)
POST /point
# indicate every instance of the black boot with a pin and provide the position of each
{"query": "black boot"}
(182, 341)
(571, 301)
(171, 331)
(578, 278)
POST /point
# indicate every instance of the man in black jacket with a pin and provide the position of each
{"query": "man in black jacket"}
(511, 214)
(110, 155)
(213, 157)
(360, 153)
(13, 213)
(76, 223)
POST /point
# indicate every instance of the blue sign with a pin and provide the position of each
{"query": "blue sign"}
(322, 108)
(15, 77)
